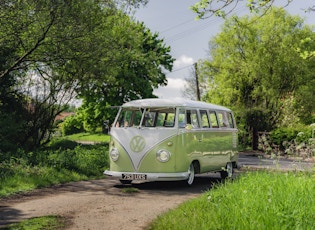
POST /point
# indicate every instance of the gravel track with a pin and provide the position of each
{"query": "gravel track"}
(102, 204)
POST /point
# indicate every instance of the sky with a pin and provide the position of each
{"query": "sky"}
(189, 38)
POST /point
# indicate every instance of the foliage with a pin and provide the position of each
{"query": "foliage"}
(255, 200)
(38, 223)
(255, 66)
(131, 72)
(62, 144)
(71, 125)
(222, 8)
(250, 122)
(52, 166)
(52, 51)
(289, 134)
(295, 141)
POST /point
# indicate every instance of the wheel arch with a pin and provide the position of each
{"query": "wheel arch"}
(196, 165)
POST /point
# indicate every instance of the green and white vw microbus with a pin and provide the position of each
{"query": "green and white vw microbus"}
(171, 140)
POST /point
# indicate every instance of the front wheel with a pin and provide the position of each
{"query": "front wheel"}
(191, 176)
(227, 172)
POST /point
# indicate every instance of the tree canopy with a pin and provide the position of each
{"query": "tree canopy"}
(222, 8)
(255, 64)
(54, 50)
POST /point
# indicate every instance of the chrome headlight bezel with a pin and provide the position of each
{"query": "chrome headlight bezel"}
(114, 154)
(163, 155)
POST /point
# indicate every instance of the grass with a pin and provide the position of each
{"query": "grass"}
(255, 200)
(130, 190)
(45, 222)
(91, 137)
(30, 178)
(61, 162)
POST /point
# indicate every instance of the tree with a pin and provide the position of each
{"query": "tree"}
(36, 38)
(222, 8)
(132, 69)
(50, 51)
(256, 65)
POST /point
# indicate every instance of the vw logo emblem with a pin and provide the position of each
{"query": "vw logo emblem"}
(137, 144)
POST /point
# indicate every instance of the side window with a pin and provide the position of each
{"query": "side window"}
(160, 119)
(192, 118)
(204, 119)
(230, 119)
(169, 120)
(213, 119)
(164, 117)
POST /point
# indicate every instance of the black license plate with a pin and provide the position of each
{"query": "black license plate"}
(134, 176)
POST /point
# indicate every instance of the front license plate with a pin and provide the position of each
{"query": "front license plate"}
(134, 176)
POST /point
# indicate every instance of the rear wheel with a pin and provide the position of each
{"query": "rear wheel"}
(191, 176)
(227, 172)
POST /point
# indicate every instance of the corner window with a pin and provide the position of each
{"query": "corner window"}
(225, 119)
(231, 121)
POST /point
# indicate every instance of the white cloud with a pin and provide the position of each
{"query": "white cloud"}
(176, 79)
(183, 61)
(172, 90)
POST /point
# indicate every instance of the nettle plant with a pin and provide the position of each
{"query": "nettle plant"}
(289, 142)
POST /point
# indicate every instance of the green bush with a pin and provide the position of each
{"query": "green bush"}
(299, 133)
(295, 141)
(71, 125)
(86, 159)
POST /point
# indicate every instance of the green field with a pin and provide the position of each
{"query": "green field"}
(255, 200)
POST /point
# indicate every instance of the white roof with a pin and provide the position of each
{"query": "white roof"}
(176, 102)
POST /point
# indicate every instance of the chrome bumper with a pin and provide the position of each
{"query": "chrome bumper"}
(152, 176)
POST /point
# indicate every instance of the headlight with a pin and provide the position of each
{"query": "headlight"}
(163, 155)
(114, 154)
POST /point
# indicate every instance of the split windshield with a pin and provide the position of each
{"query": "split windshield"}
(146, 117)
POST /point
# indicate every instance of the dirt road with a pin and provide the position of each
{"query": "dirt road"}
(102, 204)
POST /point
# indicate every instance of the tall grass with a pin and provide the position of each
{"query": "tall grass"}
(60, 163)
(255, 200)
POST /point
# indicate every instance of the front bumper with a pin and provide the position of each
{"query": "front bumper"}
(152, 176)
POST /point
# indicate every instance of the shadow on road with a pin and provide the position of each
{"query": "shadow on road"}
(8, 214)
(201, 184)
